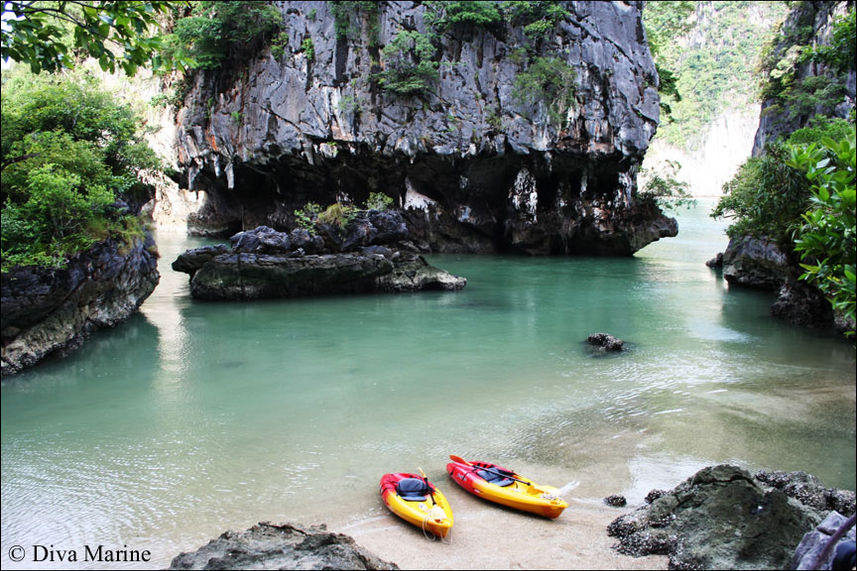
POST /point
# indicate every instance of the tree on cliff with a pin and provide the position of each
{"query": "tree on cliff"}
(53, 35)
(68, 152)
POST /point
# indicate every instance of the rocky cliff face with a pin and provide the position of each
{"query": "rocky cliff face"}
(473, 166)
(815, 20)
(48, 312)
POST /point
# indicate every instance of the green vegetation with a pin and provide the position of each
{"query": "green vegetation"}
(378, 201)
(768, 196)
(802, 97)
(308, 48)
(68, 153)
(443, 15)
(307, 216)
(765, 198)
(55, 35)
(537, 18)
(549, 80)
(347, 15)
(215, 31)
(664, 189)
(706, 55)
(827, 239)
(337, 215)
(665, 22)
(410, 68)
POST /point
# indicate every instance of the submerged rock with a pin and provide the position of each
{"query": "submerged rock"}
(724, 518)
(281, 546)
(605, 342)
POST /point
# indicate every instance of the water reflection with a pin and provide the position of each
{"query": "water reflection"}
(199, 417)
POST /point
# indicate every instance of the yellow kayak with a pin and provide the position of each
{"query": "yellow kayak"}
(417, 501)
(506, 487)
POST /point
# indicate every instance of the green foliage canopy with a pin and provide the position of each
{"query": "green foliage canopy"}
(215, 31)
(52, 35)
(68, 152)
(410, 67)
(827, 238)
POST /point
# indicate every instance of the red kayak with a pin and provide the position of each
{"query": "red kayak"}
(505, 487)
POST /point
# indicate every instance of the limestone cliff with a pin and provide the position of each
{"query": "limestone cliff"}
(835, 90)
(473, 165)
(49, 312)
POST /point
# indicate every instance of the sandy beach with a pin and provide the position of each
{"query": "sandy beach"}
(485, 536)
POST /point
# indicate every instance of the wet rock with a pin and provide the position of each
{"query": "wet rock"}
(281, 546)
(191, 260)
(720, 518)
(261, 240)
(716, 261)
(237, 276)
(755, 263)
(615, 500)
(802, 304)
(605, 342)
(52, 311)
(413, 273)
(264, 263)
(654, 494)
(301, 239)
(813, 543)
(808, 490)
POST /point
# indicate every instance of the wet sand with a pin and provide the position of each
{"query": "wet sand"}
(485, 536)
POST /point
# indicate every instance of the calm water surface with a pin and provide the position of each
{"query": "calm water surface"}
(193, 418)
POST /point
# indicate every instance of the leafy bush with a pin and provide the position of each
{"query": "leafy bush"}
(409, 65)
(378, 201)
(443, 15)
(663, 188)
(537, 18)
(50, 35)
(549, 80)
(840, 54)
(68, 152)
(307, 216)
(827, 237)
(338, 215)
(765, 198)
(308, 48)
(215, 31)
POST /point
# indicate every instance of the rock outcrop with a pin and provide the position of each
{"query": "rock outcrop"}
(725, 518)
(808, 23)
(268, 545)
(473, 165)
(48, 312)
(264, 263)
(756, 263)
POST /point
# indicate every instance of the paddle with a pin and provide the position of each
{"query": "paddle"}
(425, 479)
(475, 467)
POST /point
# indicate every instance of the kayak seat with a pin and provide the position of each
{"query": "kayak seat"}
(413, 489)
(495, 479)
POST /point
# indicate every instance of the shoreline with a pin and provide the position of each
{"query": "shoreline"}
(485, 536)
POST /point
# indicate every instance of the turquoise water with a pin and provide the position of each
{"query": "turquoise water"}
(193, 418)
